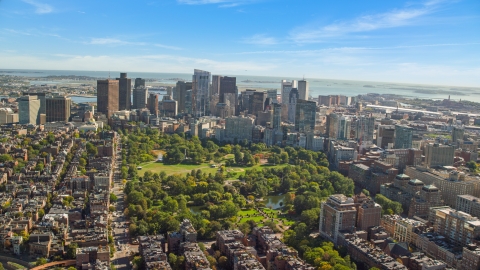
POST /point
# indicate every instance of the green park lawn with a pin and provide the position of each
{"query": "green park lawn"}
(157, 167)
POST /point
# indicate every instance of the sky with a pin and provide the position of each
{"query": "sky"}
(429, 42)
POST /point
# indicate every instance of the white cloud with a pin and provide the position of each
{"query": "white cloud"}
(260, 39)
(40, 8)
(366, 23)
(111, 41)
(13, 31)
(140, 63)
(167, 47)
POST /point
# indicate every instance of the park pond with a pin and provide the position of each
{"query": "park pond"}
(272, 202)
(275, 201)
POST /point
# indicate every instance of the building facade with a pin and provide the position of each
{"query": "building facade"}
(107, 96)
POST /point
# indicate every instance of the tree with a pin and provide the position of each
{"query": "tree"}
(72, 251)
(40, 261)
(472, 165)
(5, 158)
(172, 259)
(223, 262)
(113, 197)
(91, 149)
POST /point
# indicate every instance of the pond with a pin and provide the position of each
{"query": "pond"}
(196, 209)
(275, 201)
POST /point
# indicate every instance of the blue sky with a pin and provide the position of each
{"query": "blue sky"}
(431, 42)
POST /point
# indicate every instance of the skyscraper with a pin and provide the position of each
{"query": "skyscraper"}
(364, 129)
(107, 96)
(305, 115)
(153, 103)
(58, 108)
(333, 120)
(200, 91)
(344, 127)
(180, 94)
(403, 137)
(277, 116)
(229, 92)
(292, 104)
(139, 97)
(258, 102)
(285, 91)
(216, 84)
(303, 89)
(272, 95)
(124, 92)
(139, 82)
(29, 110)
(41, 97)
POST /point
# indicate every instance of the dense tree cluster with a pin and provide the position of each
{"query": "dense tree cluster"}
(157, 202)
(389, 207)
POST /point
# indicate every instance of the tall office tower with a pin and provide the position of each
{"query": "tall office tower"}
(364, 128)
(107, 96)
(29, 110)
(439, 155)
(457, 134)
(41, 97)
(344, 127)
(385, 136)
(277, 116)
(303, 89)
(181, 94)
(306, 112)
(336, 214)
(292, 105)
(139, 98)
(229, 92)
(200, 91)
(216, 84)
(188, 101)
(272, 95)
(369, 214)
(139, 82)
(124, 92)
(58, 108)
(153, 103)
(245, 101)
(286, 87)
(257, 102)
(403, 137)
(333, 120)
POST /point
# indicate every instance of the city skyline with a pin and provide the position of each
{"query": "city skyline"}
(427, 42)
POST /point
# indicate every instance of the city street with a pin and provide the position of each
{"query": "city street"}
(120, 229)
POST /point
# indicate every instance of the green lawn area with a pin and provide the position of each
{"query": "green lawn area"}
(244, 213)
(157, 167)
(256, 219)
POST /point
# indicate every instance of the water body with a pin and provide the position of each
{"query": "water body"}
(317, 86)
(275, 201)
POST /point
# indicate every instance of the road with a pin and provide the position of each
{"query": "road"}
(120, 230)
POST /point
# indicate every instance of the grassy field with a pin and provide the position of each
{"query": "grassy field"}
(246, 215)
(157, 167)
